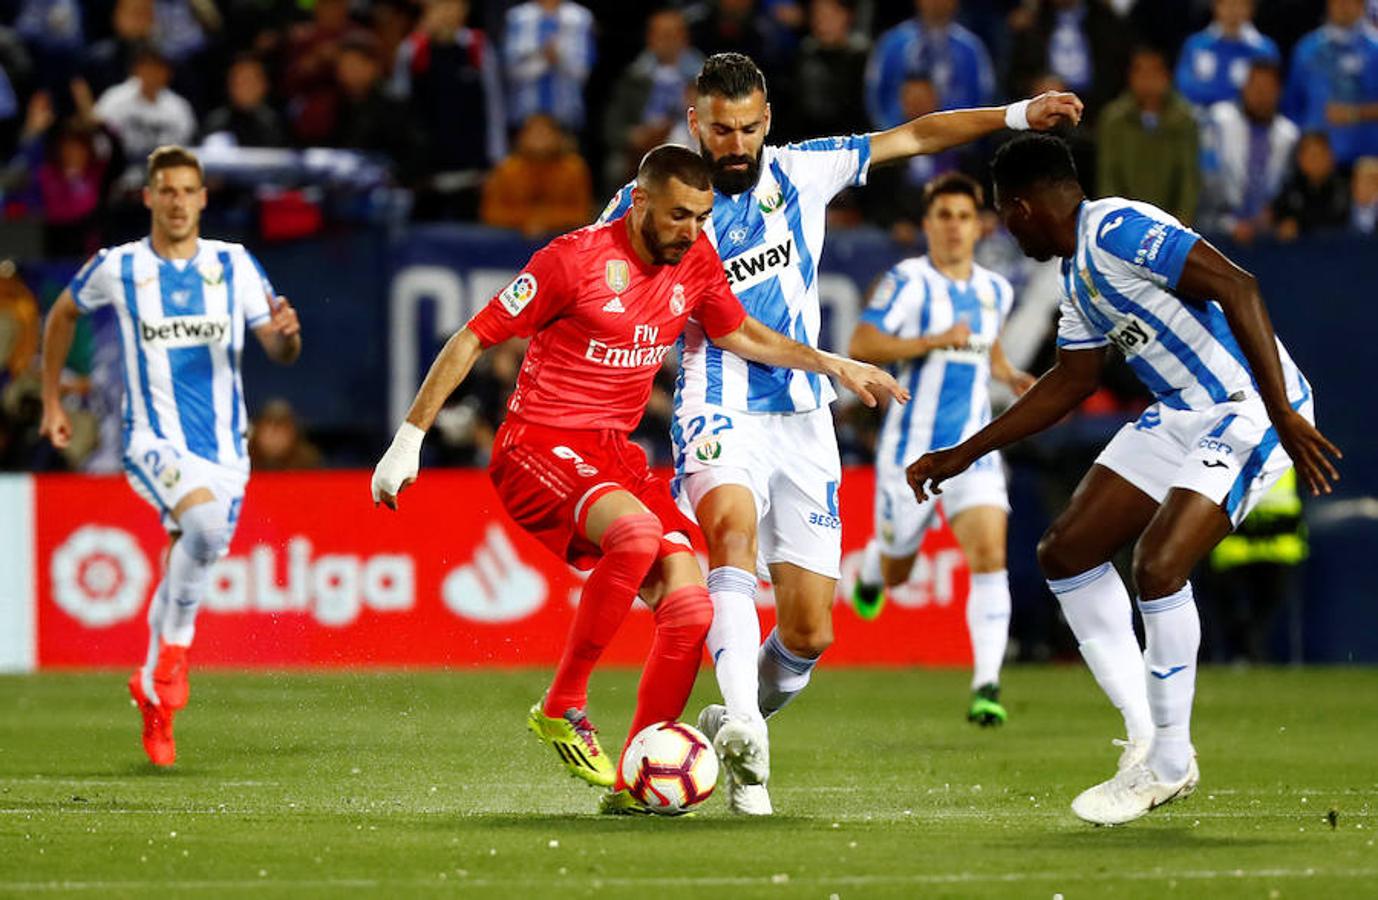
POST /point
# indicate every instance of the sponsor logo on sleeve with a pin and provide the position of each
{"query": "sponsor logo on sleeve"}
(518, 294)
(1151, 245)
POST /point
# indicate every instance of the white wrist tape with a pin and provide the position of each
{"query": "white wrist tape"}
(1017, 116)
(408, 437)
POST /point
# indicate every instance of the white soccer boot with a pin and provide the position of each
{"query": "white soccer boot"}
(1132, 793)
(1132, 752)
(744, 750)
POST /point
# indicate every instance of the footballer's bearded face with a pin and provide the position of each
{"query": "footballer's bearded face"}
(671, 217)
(176, 196)
(1020, 216)
(731, 134)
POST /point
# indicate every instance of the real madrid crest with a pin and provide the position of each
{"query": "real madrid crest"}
(617, 275)
(677, 299)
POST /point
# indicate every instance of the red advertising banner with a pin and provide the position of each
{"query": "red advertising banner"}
(317, 576)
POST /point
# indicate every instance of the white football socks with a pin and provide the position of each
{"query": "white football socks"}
(988, 623)
(205, 536)
(782, 674)
(1172, 629)
(870, 574)
(1096, 606)
(733, 639)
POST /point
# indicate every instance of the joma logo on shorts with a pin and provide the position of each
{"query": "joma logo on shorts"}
(186, 331)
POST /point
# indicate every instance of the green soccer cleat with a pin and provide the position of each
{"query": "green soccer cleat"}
(576, 743)
(621, 803)
(868, 601)
(985, 709)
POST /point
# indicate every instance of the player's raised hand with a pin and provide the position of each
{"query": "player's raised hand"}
(927, 473)
(56, 427)
(868, 382)
(398, 467)
(1310, 452)
(284, 319)
(1053, 108)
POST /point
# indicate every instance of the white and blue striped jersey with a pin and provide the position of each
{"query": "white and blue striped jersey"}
(770, 240)
(1119, 289)
(182, 325)
(950, 388)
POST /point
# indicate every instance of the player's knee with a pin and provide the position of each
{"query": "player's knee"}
(985, 558)
(1156, 572)
(733, 542)
(206, 532)
(807, 639)
(635, 534)
(1056, 556)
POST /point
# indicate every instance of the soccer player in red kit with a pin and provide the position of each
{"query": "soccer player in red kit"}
(603, 306)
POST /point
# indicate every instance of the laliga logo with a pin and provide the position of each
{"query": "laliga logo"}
(100, 576)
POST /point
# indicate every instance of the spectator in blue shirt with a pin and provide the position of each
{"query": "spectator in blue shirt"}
(1333, 86)
(1215, 61)
(931, 44)
(549, 52)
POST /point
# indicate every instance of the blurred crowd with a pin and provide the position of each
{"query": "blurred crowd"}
(1239, 117)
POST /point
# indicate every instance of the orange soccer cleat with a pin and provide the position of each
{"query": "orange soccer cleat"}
(172, 689)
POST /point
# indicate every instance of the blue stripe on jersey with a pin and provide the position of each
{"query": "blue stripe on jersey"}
(1223, 426)
(954, 404)
(863, 158)
(712, 358)
(915, 367)
(84, 275)
(677, 433)
(875, 315)
(131, 301)
(193, 373)
(739, 216)
(1155, 382)
(796, 222)
(1170, 339)
(1212, 318)
(227, 264)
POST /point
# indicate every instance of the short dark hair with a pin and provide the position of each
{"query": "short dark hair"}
(957, 183)
(172, 156)
(1266, 64)
(731, 76)
(674, 161)
(1030, 159)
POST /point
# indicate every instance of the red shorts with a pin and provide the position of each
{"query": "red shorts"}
(547, 478)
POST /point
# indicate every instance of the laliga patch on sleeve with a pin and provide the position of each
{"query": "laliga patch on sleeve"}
(884, 292)
(519, 293)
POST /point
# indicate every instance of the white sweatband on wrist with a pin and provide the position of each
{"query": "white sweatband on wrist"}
(408, 437)
(1017, 116)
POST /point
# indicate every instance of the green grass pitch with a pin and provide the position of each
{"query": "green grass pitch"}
(427, 784)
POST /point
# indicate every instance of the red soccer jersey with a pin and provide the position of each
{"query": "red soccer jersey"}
(603, 322)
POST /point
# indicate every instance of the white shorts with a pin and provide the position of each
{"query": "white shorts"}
(162, 474)
(788, 461)
(900, 522)
(1228, 453)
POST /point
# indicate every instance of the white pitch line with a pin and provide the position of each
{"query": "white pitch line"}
(703, 881)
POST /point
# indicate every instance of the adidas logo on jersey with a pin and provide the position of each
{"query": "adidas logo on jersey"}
(186, 331)
(614, 306)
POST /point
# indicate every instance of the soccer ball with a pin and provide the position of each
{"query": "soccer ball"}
(670, 767)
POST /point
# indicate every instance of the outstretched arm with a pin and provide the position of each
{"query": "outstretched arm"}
(1071, 380)
(761, 344)
(1209, 275)
(870, 344)
(400, 464)
(57, 342)
(940, 131)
